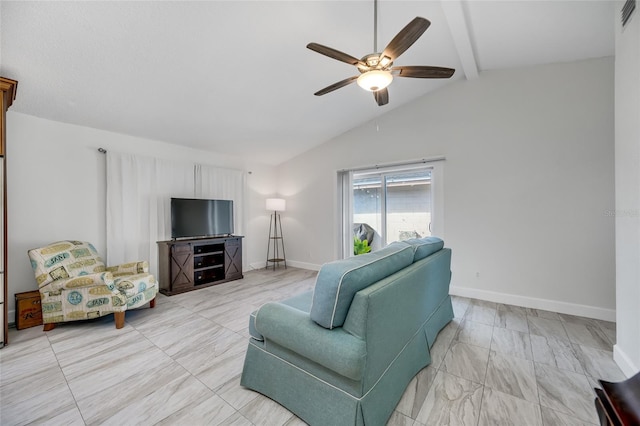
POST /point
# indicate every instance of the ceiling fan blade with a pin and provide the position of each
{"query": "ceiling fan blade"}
(419, 71)
(336, 86)
(335, 54)
(405, 38)
(381, 96)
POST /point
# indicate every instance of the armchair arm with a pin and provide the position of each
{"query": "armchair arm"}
(130, 268)
(90, 280)
(293, 329)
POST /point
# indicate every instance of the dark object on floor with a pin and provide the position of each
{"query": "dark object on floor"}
(364, 232)
(619, 403)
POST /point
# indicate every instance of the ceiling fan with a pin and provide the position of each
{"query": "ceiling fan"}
(376, 69)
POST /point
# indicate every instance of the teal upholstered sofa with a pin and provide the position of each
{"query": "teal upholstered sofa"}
(344, 353)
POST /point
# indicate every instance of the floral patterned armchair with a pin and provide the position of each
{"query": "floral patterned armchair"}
(75, 285)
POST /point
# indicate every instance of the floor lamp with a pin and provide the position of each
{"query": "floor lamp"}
(275, 246)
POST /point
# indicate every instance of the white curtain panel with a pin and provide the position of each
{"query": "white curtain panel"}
(139, 191)
(224, 184)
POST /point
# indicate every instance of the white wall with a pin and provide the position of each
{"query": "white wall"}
(627, 212)
(528, 177)
(57, 186)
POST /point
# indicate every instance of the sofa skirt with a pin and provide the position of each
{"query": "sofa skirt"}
(318, 402)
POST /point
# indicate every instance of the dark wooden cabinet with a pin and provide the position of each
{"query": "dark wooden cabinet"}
(186, 265)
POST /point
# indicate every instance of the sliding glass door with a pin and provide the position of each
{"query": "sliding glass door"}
(387, 206)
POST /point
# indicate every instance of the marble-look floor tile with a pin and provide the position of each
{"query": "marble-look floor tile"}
(466, 361)
(98, 349)
(41, 381)
(511, 342)
(152, 407)
(99, 402)
(609, 329)
(416, 392)
(555, 418)
(71, 417)
(539, 313)
(36, 407)
(194, 332)
(235, 395)
(588, 335)
(502, 409)
(399, 419)
(512, 376)
(555, 352)
(501, 307)
(566, 392)
(598, 363)
(443, 341)
(474, 333)
(221, 371)
(211, 411)
(150, 321)
(203, 358)
(263, 411)
(236, 419)
(196, 301)
(574, 319)
(483, 313)
(18, 365)
(460, 305)
(546, 327)
(511, 320)
(451, 401)
(294, 421)
(115, 369)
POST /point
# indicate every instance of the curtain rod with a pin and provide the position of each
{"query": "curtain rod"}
(398, 164)
(102, 150)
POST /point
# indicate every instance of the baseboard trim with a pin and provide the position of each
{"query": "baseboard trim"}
(292, 263)
(535, 303)
(624, 362)
(304, 265)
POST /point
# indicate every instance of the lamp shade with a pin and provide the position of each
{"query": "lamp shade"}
(375, 80)
(276, 204)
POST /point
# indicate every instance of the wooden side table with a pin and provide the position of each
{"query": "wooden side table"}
(28, 309)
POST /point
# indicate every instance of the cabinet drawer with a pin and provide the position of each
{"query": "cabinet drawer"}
(181, 248)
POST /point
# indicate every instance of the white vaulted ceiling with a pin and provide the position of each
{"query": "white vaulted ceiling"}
(235, 77)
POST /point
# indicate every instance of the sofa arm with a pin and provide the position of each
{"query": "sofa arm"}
(293, 329)
(130, 268)
(90, 280)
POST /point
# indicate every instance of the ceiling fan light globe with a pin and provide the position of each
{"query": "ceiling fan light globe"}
(375, 80)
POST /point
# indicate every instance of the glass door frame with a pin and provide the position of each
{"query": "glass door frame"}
(345, 198)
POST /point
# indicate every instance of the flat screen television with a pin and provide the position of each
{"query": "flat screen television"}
(192, 218)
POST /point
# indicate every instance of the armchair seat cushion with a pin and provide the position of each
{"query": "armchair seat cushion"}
(131, 285)
(75, 284)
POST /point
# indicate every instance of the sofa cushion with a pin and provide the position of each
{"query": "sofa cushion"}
(64, 259)
(339, 281)
(301, 302)
(424, 247)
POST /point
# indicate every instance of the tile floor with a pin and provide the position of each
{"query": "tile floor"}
(180, 364)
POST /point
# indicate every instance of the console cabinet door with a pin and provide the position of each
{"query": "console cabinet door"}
(181, 267)
(233, 258)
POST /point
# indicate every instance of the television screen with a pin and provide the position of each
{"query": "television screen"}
(201, 218)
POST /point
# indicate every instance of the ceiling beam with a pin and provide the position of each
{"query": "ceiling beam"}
(455, 16)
